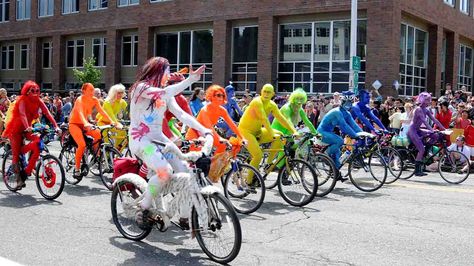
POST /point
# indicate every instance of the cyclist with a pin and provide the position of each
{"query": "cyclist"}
(360, 110)
(294, 113)
(256, 129)
(232, 108)
(23, 113)
(149, 98)
(4, 104)
(79, 125)
(114, 105)
(210, 114)
(339, 117)
(416, 133)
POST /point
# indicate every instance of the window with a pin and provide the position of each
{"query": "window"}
(413, 60)
(465, 67)
(99, 51)
(46, 87)
(46, 8)
(4, 10)
(47, 54)
(70, 6)
(322, 66)
(9, 86)
(8, 57)
(97, 4)
(75, 53)
(24, 56)
(129, 50)
(464, 6)
(244, 57)
(185, 48)
(449, 2)
(23, 9)
(127, 2)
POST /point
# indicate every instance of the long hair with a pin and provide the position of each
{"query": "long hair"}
(112, 95)
(196, 92)
(151, 73)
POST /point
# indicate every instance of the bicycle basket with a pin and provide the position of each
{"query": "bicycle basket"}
(219, 163)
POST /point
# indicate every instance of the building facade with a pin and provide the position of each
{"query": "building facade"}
(419, 44)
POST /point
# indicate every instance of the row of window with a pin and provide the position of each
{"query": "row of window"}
(46, 7)
(463, 5)
(7, 57)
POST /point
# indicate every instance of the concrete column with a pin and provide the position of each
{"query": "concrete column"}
(267, 51)
(112, 73)
(452, 59)
(221, 57)
(435, 46)
(59, 65)
(145, 45)
(383, 45)
(35, 59)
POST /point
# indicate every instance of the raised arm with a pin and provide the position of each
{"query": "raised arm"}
(186, 118)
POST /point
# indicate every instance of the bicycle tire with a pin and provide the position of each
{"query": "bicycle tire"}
(310, 186)
(50, 178)
(236, 197)
(8, 179)
(214, 226)
(106, 170)
(453, 167)
(117, 196)
(359, 159)
(325, 170)
(67, 157)
(394, 163)
(408, 166)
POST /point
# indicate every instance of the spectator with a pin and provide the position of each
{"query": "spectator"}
(66, 110)
(312, 113)
(444, 115)
(433, 109)
(469, 134)
(462, 148)
(405, 119)
(395, 120)
(197, 100)
(336, 101)
(4, 104)
(58, 106)
(463, 121)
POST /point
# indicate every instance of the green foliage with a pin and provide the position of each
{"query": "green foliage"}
(89, 73)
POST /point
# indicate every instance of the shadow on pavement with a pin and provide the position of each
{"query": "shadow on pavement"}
(18, 200)
(146, 254)
(84, 190)
(356, 194)
(442, 183)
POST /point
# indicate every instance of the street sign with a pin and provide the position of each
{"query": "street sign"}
(356, 63)
(356, 81)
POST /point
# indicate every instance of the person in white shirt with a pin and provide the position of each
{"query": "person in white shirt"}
(461, 147)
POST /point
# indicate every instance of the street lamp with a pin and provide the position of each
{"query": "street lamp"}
(355, 61)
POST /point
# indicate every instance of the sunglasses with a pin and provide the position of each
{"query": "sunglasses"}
(37, 90)
(219, 95)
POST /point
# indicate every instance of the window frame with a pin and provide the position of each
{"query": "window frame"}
(75, 49)
(70, 4)
(99, 3)
(247, 66)
(4, 10)
(50, 55)
(24, 10)
(464, 6)
(449, 2)
(7, 62)
(128, 3)
(102, 60)
(462, 76)
(47, 8)
(27, 56)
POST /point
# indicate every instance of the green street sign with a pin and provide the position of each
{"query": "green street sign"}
(356, 81)
(356, 63)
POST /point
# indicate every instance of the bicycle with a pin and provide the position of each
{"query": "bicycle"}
(391, 156)
(122, 145)
(49, 176)
(303, 179)
(450, 165)
(211, 212)
(100, 164)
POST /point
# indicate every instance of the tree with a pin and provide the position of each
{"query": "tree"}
(89, 73)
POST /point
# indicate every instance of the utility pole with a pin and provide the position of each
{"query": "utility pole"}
(355, 60)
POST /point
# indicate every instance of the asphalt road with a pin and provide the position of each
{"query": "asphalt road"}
(423, 221)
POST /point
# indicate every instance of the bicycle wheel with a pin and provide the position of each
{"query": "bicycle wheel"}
(325, 170)
(222, 239)
(246, 198)
(50, 177)
(408, 166)
(454, 167)
(297, 184)
(124, 208)
(9, 177)
(106, 165)
(67, 157)
(394, 163)
(368, 173)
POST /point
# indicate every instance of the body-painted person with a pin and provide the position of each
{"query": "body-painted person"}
(339, 117)
(149, 98)
(114, 105)
(232, 108)
(256, 129)
(361, 111)
(294, 113)
(210, 114)
(416, 133)
(25, 110)
(79, 125)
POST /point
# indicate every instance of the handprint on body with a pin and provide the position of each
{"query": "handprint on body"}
(140, 131)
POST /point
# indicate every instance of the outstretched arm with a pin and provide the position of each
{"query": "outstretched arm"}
(347, 125)
(184, 117)
(356, 110)
(375, 119)
(102, 111)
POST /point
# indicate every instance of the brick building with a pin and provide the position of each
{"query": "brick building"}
(420, 43)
